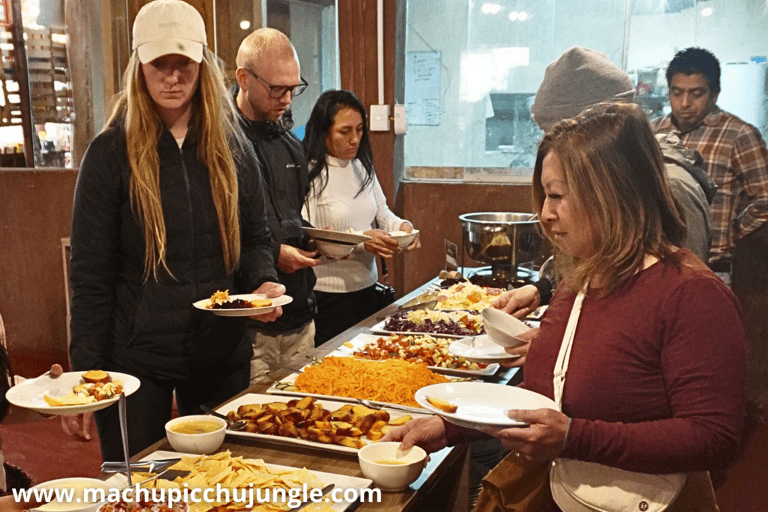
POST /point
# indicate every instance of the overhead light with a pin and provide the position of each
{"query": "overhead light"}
(513, 16)
(707, 11)
(523, 16)
(245, 24)
(490, 8)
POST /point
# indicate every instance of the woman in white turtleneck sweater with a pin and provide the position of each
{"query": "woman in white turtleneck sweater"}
(345, 194)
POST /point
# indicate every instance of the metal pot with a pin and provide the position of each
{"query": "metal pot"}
(502, 240)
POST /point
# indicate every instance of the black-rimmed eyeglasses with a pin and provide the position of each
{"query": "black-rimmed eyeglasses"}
(278, 91)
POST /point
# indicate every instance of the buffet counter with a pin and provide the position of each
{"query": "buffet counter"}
(443, 485)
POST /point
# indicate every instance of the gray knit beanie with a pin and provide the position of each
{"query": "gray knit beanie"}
(579, 78)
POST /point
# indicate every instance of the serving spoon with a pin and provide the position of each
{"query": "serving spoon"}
(372, 405)
(231, 425)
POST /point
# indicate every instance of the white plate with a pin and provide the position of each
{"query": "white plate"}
(277, 301)
(481, 403)
(337, 236)
(480, 349)
(29, 394)
(331, 405)
(363, 340)
(341, 481)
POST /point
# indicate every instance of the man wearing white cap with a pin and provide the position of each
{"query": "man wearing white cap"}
(160, 221)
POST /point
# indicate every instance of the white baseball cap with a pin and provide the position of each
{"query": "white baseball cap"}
(165, 27)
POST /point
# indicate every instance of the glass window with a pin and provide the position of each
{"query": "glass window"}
(473, 67)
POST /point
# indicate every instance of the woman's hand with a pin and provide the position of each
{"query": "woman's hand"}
(428, 433)
(521, 351)
(270, 290)
(381, 244)
(416, 244)
(77, 426)
(542, 440)
(520, 302)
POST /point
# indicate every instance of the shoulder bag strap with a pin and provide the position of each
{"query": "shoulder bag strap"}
(561, 366)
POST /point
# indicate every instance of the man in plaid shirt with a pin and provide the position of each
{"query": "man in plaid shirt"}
(734, 153)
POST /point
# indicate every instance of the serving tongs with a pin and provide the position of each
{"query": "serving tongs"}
(161, 468)
(426, 300)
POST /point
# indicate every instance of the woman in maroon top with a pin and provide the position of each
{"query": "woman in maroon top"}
(656, 376)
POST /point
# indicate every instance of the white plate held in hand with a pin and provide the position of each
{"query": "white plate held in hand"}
(29, 394)
(276, 301)
(482, 404)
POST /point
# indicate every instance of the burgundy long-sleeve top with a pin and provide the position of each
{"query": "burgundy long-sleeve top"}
(656, 380)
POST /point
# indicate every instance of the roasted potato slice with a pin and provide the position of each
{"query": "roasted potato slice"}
(375, 435)
(305, 403)
(352, 442)
(288, 430)
(402, 420)
(377, 426)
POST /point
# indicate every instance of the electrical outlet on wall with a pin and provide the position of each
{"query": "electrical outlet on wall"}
(379, 118)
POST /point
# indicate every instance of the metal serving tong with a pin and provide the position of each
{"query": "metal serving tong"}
(146, 466)
(161, 468)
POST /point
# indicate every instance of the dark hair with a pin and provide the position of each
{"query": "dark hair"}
(696, 60)
(320, 121)
(614, 172)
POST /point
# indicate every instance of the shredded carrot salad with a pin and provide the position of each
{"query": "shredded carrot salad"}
(393, 381)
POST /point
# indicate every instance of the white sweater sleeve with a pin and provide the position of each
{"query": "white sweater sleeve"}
(387, 220)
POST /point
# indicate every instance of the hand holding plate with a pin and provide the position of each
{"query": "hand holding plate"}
(271, 291)
(542, 440)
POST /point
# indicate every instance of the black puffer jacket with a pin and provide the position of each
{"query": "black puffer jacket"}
(150, 328)
(284, 168)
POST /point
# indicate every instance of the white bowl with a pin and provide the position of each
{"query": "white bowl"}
(403, 238)
(78, 504)
(502, 328)
(207, 442)
(334, 250)
(391, 477)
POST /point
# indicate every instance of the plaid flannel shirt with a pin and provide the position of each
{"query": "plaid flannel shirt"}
(736, 159)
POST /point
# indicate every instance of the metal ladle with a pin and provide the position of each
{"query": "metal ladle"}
(231, 425)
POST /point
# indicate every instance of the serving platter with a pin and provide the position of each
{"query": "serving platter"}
(340, 481)
(447, 316)
(331, 405)
(287, 386)
(330, 235)
(363, 340)
(30, 393)
(276, 301)
(482, 404)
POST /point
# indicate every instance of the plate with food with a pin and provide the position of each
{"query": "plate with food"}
(466, 296)
(250, 480)
(344, 237)
(479, 404)
(308, 421)
(72, 392)
(414, 348)
(451, 324)
(345, 378)
(223, 304)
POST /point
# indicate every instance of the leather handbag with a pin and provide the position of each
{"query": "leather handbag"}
(514, 485)
(579, 486)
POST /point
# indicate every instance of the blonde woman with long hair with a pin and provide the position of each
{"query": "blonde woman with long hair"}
(168, 209)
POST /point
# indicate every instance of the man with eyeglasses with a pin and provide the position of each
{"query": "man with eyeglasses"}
(268, 78)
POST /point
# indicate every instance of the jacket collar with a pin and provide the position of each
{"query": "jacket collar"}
(263, 129)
